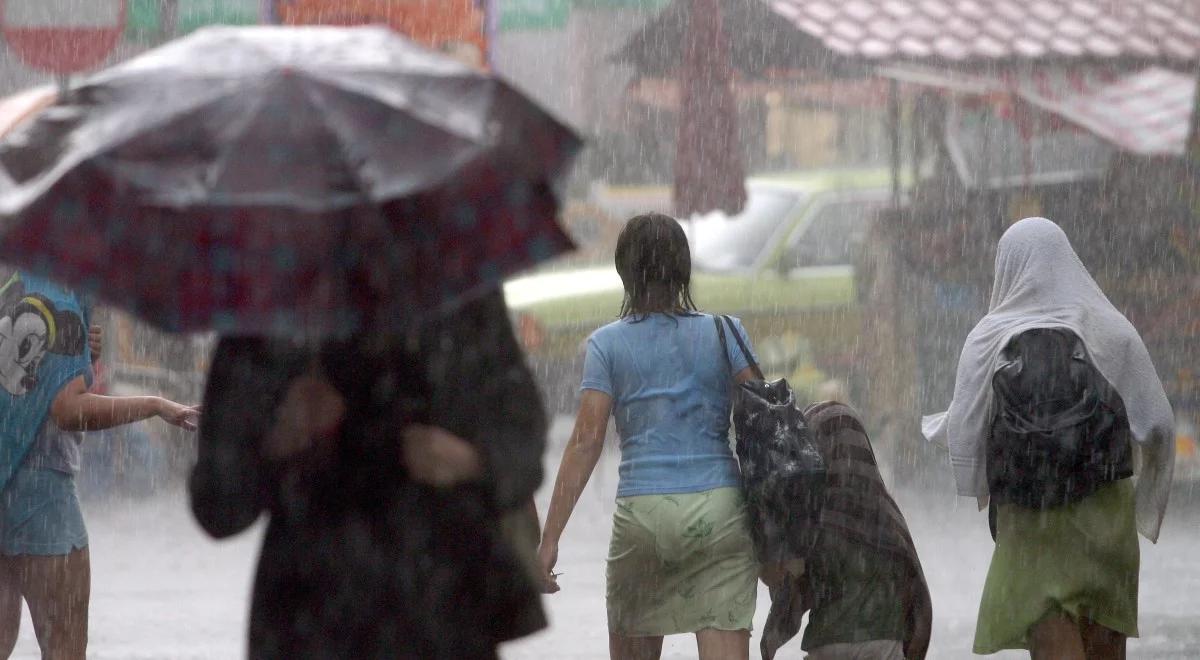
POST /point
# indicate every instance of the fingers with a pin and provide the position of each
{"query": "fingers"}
(95, 341)
(547, 558)
(185, 417)
(311, 410)
(436, 457)
(549, 584)
(190, 419)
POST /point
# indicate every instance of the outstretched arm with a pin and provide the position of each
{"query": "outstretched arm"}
(76, 409)
(578, 462)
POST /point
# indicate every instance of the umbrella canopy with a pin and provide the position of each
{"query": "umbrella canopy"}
(284, 180)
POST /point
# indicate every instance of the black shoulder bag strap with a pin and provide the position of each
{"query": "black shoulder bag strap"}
(740, 342)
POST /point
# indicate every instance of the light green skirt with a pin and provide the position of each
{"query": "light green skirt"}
(681, 563)
(1081, 559)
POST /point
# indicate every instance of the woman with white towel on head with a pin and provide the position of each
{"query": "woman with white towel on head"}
(1063, 579)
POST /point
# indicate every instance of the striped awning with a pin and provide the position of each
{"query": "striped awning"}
(1145, 112)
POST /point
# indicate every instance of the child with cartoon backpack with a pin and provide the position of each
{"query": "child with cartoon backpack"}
(46, 354)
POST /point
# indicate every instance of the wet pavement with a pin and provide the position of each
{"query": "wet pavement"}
(163, 590)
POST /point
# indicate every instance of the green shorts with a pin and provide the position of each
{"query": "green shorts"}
(681, 563)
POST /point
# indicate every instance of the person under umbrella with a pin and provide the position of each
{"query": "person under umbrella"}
(387, 464)
(367, 392)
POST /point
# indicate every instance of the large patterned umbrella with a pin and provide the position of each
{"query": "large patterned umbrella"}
(284, 180)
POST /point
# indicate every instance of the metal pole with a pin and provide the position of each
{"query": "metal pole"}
(894, 135)
(916, 127)
(894, 231)
(1193, 139)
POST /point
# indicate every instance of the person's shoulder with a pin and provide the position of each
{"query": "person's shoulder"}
(610, 330)
(696, 317)
(736, 321)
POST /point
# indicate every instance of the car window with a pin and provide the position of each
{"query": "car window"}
(834, 236)
(720, 242)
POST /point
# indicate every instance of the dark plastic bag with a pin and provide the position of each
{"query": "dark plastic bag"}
(783, 474)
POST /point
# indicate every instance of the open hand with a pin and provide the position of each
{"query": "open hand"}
(774, 574)
(437, 457)
(177, 414)
(311, 409)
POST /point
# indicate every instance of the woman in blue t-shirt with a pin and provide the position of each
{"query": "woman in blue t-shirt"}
(681, 558)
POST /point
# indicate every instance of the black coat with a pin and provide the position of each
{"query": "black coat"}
(359, 561)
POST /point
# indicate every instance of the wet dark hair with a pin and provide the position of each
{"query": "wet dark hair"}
(655, 265)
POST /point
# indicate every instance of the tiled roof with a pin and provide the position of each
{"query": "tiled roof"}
(967, 31)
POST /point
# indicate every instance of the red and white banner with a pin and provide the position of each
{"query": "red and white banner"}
(62, 36)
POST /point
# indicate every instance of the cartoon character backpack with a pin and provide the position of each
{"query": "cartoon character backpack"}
(1060, 430)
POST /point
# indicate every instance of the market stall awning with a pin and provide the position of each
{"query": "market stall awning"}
(1146, 112)
(989, 31)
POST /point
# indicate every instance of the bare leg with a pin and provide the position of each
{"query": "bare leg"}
(621, 647)
(1101, 643)
(57, 590)
(1056, 637)
(10, 607)
(723, 644)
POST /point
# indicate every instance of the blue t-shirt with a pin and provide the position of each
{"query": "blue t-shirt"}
(43, 346)
(670, 387)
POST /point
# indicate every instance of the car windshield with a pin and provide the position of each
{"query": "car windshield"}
(720, 242)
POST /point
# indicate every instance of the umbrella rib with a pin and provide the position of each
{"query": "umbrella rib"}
(248, 119)
(313, 89)
(318, 101)
(351, 85)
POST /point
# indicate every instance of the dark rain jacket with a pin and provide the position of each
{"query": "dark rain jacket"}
(359, 561)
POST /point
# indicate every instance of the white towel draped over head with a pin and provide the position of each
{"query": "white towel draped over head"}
(1041, 283)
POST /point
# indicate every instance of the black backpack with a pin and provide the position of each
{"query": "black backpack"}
(1060, 429)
